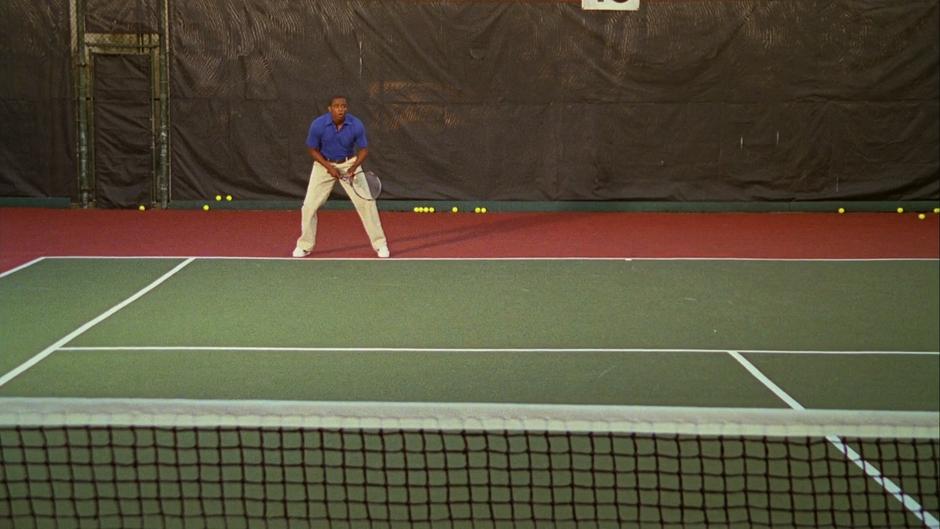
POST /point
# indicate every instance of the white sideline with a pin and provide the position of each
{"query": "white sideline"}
(22, 266)
(530, 258)
(72, 335)
(910, 503)
(476, 350)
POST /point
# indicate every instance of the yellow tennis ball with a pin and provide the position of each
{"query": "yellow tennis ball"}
(936, 210)
(921, 216)
(454, 209)
(482, 210)
(841, 210)
(228, 197)
(431, 210)
(218, 198)
(476, 210)
(900, 210)
(205, 207)
(142, 207)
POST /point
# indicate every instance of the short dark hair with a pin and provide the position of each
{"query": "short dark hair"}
(334, 98)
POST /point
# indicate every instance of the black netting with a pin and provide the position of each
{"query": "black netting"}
(284, 477)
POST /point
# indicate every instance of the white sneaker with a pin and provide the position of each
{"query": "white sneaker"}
(382, 252)
(300, 252)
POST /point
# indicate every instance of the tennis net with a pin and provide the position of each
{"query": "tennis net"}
(186, 464)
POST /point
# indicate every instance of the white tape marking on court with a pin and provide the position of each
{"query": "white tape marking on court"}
(71, 336)
(886, 483)
(22, 266)
(474, 350)
(671, 420)
(531, 258)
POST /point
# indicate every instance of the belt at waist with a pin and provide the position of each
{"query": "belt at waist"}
(341, 160)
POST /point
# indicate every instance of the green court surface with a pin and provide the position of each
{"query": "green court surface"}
(695, 337)
(642, 332)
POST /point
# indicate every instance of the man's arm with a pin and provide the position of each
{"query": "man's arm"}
(360, 157)
(318, 157)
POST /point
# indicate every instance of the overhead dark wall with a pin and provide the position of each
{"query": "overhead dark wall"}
(683, 100)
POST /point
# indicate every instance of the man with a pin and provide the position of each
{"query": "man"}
(331, 141)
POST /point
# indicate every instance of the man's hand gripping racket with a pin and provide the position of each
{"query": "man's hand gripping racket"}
(365, 184)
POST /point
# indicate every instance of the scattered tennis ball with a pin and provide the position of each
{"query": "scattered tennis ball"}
(476, 210)
(218, 198)
(415, 209)
(454, 209)
(205, 207)
(841, 210)
(228, 197)
(900, 210)
(142, 207)
(482, 210)
(921, 216)
(936, 210)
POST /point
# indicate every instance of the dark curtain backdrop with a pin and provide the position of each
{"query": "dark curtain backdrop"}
(37, 116)
(683, 100)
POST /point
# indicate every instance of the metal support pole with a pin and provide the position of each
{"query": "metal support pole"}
(163, 136)
(80, 62)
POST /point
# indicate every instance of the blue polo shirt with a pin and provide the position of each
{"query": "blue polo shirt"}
(336, 144)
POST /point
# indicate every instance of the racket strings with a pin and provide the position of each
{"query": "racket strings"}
(365, 184)
(373, 184)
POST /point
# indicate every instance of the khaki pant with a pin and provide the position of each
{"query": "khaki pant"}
(318, 190)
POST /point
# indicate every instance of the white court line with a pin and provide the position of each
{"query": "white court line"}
(72, 335)
(910, 503)
(477, 350)
(22, 266)
(625, 258)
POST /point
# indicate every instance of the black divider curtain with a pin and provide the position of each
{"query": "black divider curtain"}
(683, 100)
(37, 113)
(123, 142)
(732, 100)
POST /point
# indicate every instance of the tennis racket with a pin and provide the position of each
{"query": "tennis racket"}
(364, 184)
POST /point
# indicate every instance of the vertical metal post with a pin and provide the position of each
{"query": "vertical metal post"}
(163, 136)
(80, 64)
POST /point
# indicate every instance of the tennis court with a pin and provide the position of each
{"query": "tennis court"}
(621, 264)
(226, 392)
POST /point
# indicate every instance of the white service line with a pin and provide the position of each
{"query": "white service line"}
(22, 266)
(71, 336)
(529, 258)
(873, 472)
(475, 350)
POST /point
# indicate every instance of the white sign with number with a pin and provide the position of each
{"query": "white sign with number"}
(610, 5)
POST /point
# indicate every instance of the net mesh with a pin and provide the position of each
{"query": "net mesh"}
(255, 475)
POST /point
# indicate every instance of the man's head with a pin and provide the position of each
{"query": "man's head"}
(338, 107)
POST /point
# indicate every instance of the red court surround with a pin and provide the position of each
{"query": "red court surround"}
(27, 233)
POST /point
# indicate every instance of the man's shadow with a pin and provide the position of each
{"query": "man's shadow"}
(487, 228)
